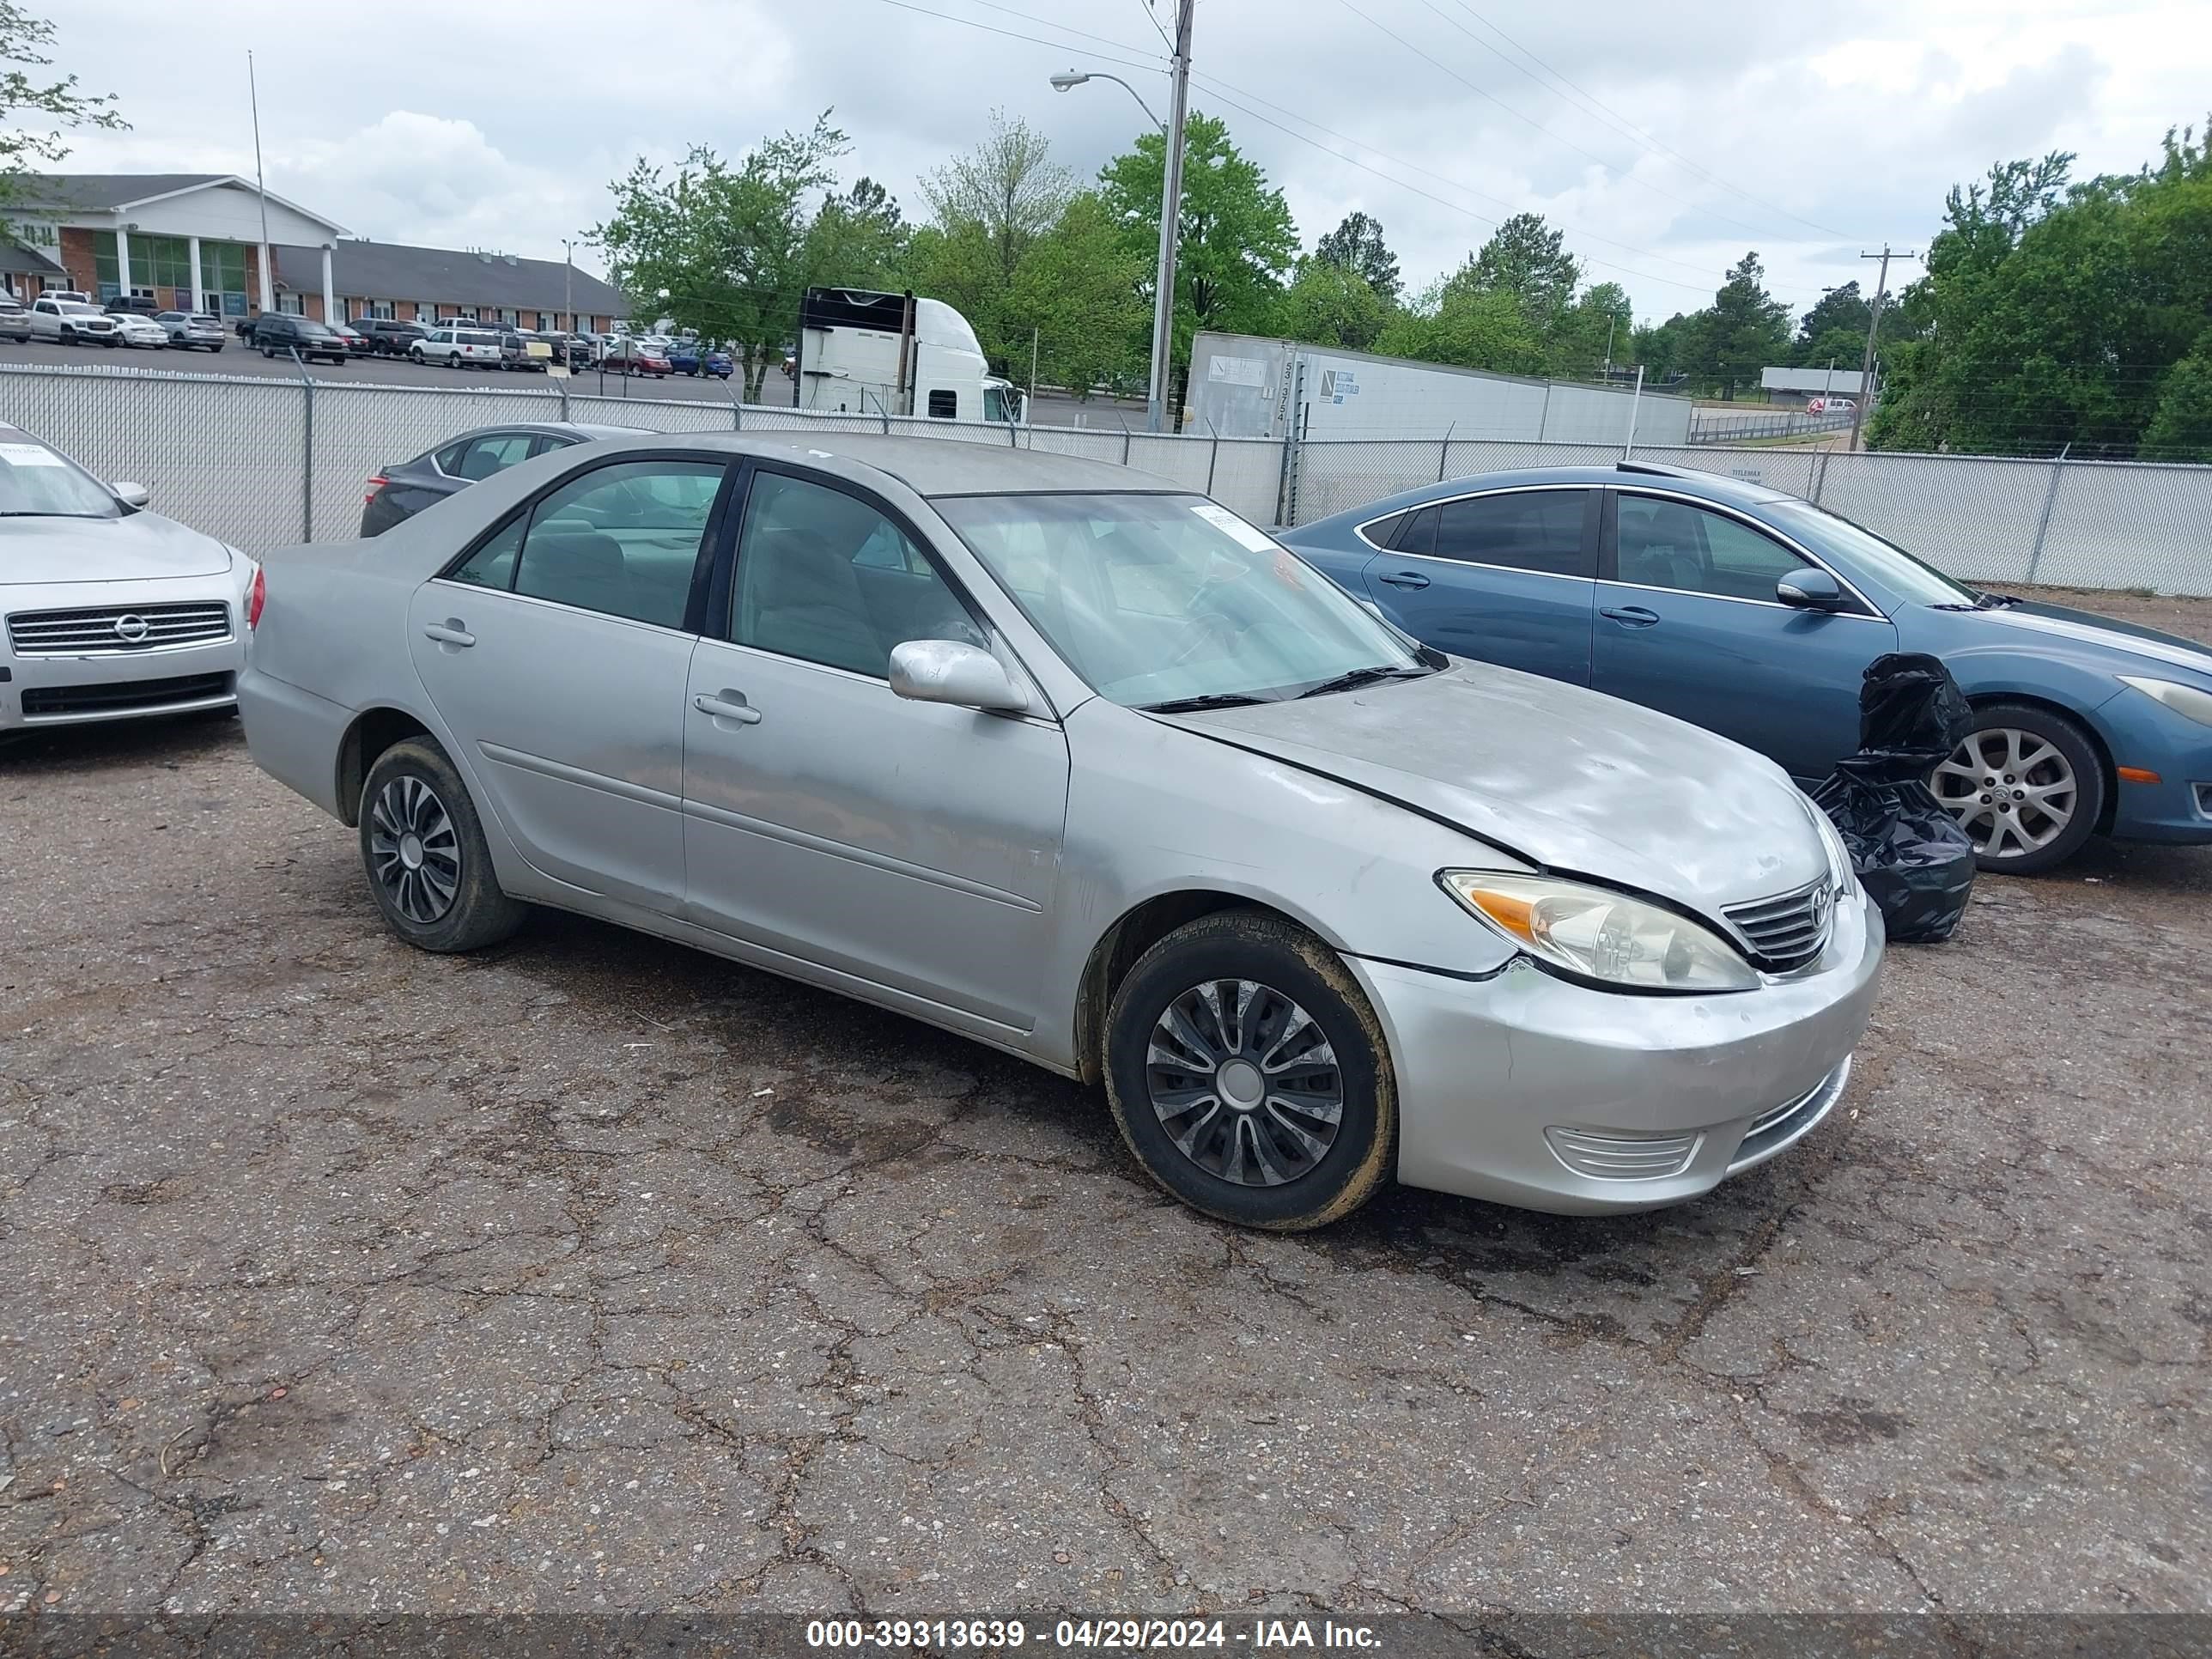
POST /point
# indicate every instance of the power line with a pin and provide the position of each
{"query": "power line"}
(1443, 179)
(1620, 123)
(1488, 97)
(1016, 34)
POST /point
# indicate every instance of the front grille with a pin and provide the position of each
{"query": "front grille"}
(1787, 931)
(118, 695)
(74, 632)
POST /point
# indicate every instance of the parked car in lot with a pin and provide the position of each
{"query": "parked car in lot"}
(388, 336)
(635, 357)
(111, 611)
(1075, 762)
(688, 357)
(70, 322)
(276, 332)
(357, 343)
(189, 328)
(136, 328)
(458, 348)
(1754, 614)
(14, 321)
(399, 492)
(522, 352)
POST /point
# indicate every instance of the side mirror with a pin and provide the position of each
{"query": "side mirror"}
(132, 494)
(1811, 590)
(945, 671)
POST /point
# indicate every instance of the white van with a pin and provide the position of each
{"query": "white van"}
(865, 353)
(458, 348)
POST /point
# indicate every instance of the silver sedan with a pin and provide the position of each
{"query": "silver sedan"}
(112, 612)
(1070, 760)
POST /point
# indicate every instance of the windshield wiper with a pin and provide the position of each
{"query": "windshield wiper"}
(1206, 700)
(1995, 601)
(1359, 676)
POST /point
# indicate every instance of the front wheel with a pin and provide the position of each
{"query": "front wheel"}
(423, 848)
(2027, 786)
(1247, 1073)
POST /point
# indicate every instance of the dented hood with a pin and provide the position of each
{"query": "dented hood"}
(1578, 782)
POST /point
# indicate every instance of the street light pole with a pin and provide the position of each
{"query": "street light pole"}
(1156, 400)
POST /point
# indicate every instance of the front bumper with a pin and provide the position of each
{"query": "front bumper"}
(1526, 1089)
(38, 690)
(2142, 732)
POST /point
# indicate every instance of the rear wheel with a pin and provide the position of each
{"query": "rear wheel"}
(2027, 786)
(423, 848)
(1247, 1073)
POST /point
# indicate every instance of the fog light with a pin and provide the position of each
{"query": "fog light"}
(1621, 1157)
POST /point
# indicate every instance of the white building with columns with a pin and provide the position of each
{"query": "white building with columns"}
(187, 241)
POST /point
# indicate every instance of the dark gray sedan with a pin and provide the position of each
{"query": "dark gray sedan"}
(399, 492)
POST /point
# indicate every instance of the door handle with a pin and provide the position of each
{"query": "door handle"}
(727, 705)
(1630, 616)
(450, 632)
(1404, 578)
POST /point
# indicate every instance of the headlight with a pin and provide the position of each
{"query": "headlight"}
(1839, 857)
(1604, 936)
(2185, 700)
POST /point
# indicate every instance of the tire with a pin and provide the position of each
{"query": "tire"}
(69, 336)
(269, 352)
(214, 351)
(2046, 749)
(413, 796)
(1235, 1152)
(453, 360)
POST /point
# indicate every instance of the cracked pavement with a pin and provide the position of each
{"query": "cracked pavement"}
(596, 1274)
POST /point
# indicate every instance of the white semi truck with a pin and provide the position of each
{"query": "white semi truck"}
(865, 353)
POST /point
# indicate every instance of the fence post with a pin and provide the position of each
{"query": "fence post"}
(1443, 449)
(1213, 459)
(562, 385)
(1125, 440)
(1819, 475)
(307, 449)
(2043, 525)
(1544, 421)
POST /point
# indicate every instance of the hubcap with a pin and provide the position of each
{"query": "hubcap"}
(1245, 1082)
(413, 853)
(2011, 791)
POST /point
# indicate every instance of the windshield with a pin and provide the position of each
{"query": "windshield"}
(1910, 577)
(35, 483)
(78, 309)
(1158, 599)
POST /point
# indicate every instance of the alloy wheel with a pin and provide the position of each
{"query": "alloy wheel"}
(2012, 791)
(414, 853)
(1245, 1082)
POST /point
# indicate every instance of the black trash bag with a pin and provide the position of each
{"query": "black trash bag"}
(1912, 858)
(1911, 716)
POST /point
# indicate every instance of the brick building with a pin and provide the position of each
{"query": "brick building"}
(193, 241)
(352, 278)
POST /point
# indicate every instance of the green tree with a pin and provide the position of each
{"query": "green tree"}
(1077, 288)
(2181, 429)
(35, 112)
(1591, 333)
(1475, 327)
(725, 244)
(1331, 304)
(1663, 348)
(1526, 258)
(2059, 316)
(857, 239)
(1357, 246)
(1743, 331)
(1236, 241)
(1008, 185)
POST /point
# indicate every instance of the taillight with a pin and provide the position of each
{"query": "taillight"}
(374, 484)
(255, 596)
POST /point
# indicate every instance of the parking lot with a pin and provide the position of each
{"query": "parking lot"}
(597, 1273)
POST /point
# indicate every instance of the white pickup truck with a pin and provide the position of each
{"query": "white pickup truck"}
(70, 322)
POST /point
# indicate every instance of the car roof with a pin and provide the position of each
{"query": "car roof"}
(1688, 480)
(940, 466)
(587, 430)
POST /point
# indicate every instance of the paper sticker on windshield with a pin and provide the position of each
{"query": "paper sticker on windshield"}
(1259, 541)
(29, 455)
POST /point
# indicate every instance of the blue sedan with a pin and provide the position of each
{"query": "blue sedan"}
(1753, 614)
(686, 358)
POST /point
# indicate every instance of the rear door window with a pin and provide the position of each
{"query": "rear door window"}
(1537, 530)
(623, 540)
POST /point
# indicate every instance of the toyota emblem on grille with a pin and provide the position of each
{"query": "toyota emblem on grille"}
(1821, 900)
(130, 630)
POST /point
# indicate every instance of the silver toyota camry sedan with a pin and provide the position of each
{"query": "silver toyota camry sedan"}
(1077, 763)
(112, 612)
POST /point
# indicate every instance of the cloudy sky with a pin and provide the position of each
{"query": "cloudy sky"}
(1666, 139)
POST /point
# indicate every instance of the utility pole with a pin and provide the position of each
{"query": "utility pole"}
(268, 280)
(1866, 368)
(1155, 402)
(569, 283)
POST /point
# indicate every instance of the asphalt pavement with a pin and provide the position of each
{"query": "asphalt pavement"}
(596, 1273)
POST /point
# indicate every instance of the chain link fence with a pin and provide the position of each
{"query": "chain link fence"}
(264, 463)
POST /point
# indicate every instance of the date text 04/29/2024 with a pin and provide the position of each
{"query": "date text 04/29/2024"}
(1104, 1634)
